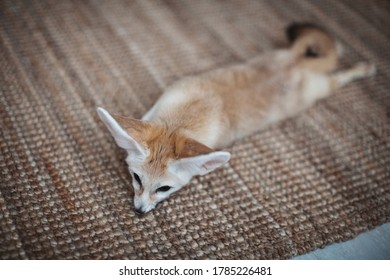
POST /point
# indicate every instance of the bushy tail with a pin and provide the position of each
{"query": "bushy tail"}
(313, 47)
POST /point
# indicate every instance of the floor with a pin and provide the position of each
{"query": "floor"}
(371, 245)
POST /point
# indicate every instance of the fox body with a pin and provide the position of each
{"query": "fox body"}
(178, 137)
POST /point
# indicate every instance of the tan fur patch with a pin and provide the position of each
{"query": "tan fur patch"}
(163, 143)
(187, 147)
(320, 43)
(136, 128)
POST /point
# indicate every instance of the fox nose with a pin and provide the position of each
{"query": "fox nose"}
(139, 211)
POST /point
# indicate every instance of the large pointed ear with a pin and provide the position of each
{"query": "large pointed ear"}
(187, 147)
(122, 129)
(199, 165)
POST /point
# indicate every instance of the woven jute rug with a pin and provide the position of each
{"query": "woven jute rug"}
(319, 178)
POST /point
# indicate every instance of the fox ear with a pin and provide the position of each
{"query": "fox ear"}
(120, 128)
(188, 147)
(199, 165)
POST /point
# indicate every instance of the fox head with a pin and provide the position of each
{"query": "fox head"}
(161, 161)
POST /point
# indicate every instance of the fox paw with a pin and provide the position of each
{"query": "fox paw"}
(366, 69)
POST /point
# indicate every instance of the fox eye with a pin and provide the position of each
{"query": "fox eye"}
(163, 189)
(137, 178)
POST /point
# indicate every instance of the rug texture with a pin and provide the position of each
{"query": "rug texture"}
(65, 192)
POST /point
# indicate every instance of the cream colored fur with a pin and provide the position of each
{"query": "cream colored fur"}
(176, 139)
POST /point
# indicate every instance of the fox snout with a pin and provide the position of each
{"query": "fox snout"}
(143, 204)
(140, 210)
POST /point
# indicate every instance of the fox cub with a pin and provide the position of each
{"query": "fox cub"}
(177, 137)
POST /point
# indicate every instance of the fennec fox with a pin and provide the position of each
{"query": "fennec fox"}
(176, 138)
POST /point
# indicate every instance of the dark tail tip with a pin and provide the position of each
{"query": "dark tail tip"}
(312, 52)
(294, 30)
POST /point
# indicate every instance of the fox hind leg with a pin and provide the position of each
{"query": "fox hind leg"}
(360, 70)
